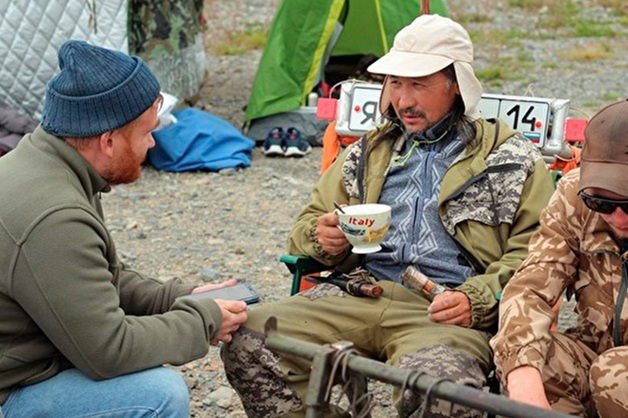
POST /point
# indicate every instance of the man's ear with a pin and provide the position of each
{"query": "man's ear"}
(105, 143)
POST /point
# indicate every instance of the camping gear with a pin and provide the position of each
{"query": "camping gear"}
(313, 44)
(199, 141)
(167, 35)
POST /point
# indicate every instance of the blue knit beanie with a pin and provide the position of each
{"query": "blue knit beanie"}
(97, 90)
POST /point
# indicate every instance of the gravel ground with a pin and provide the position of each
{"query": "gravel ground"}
(206, 227)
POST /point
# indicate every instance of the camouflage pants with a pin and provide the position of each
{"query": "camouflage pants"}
(581, 383)
(393, 328)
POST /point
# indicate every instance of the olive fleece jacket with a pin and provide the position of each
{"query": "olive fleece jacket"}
(490, 201)
(66, 300)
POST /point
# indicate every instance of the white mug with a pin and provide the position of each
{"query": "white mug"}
(365, 226)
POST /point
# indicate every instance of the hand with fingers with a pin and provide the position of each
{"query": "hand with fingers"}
(451, 307)
(330, 237)
(233, 315)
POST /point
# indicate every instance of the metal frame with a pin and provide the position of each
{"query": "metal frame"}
(324, 357)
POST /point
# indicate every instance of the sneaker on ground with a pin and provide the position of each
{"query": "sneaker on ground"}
(296, 145)
(275, 144)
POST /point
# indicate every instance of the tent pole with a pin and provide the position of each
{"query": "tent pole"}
(425, 7)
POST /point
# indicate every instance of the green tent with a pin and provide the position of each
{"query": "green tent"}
(299, 40)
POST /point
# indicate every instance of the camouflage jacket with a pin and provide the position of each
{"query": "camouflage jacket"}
(573, 251)
(490, 202)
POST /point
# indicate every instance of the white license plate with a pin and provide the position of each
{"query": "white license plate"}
(364, 112)
(530, 116)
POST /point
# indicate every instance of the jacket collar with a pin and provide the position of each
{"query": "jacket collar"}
(91, 181)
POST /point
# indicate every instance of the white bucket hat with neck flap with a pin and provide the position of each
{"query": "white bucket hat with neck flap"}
(429, 44)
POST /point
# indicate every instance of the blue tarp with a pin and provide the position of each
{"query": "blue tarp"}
(200, 141)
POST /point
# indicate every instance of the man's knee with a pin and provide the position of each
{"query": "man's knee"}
(246, 355)
(608, 379)
(168, 390)
(254, 373)
(442, 362)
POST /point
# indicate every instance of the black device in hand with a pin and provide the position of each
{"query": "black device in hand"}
(239, 291)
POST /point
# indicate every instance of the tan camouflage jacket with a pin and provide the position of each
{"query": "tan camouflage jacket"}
(573, 251)
(490, 202)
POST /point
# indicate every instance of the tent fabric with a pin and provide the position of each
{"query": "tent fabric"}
(31, 33)
(168, 35)
(299, 34)
(199, 141)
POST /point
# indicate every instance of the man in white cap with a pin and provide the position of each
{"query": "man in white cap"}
(581, 247)
(82, 335)
(465, 193)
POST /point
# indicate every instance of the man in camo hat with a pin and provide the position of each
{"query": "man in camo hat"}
(581, 248)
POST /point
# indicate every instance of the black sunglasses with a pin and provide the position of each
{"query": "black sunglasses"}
(602, 205)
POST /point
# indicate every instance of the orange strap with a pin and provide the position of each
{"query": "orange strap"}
(575, 161)
(567, 166)
(332, 143)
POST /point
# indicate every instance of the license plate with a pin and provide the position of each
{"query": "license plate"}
(530, 116)
(364, 112)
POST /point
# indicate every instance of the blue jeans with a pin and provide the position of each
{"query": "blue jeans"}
(155, 393)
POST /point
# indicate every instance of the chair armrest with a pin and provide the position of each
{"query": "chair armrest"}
(300, 265)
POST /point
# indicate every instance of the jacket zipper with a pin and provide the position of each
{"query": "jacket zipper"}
(502, 168)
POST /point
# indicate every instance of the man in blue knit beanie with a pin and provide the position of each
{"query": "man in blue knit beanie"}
(80, 334)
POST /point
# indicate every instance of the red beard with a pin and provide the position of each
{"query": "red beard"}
(125, 167)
